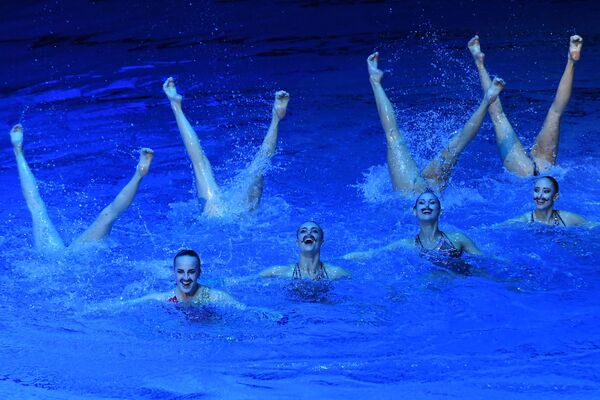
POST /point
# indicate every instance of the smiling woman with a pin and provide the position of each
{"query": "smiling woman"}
(545, 194)
(187, 268)
(430, 240)
(310, 238)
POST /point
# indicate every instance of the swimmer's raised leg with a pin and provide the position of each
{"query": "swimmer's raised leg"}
(255, 171)
(45, 236)
(205, 181)
(439, 169)
(512, 152)
(101, 227)
(401, 165)
(545, 148)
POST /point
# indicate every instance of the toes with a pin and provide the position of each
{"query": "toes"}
(281, 94)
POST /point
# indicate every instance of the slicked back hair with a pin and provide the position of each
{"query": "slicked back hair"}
(312, 222)
(191, 253)
(553, 181)
(427, 191)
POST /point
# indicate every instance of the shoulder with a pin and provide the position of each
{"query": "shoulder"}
(571, 219)
(406, 242)
(458, 237)
(164, 296)
(335, 272)
(521, 218)
(462, 241)
(277, 270)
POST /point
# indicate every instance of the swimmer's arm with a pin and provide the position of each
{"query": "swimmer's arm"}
(224, 299)
(115, 304)
(516, 220)
(278, 270)
(272, 272)
(572, 219)
(359, 255)
(467, 244)
(149, 297)
(221, 298)
(337, 272)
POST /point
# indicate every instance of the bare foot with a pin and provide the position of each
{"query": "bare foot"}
(475, 49)
(281, 101)
(375, 74)
(16, 137)
(494, 90)
(171, 92)
(146, 156)
(575, 43)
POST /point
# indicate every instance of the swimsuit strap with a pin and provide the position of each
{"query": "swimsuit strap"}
(205, 295)
(557, 218)
(558, 221)
(296, 274)
(321, 274)
(449, 241)
(439, 244)
(418, 242)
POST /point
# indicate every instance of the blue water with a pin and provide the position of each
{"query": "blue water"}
(84, 78)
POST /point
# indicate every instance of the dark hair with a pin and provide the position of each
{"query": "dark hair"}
(191, 253)
(313, 222)
(553, 181)
(427, 191)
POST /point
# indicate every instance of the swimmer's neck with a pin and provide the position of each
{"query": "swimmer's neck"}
(183, 297)
(544, 216)
(429, 231)
(310, 263)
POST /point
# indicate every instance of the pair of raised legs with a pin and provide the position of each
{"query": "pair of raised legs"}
(206, 186)
(545, 149)
(402, 166)
(45, 235)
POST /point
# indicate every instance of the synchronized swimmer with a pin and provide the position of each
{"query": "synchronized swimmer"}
(403, 169)
(545, 149)
(206, 186)
(430, 241)
(187, 269)
(46, 237)
(309, 238)
(545, 194)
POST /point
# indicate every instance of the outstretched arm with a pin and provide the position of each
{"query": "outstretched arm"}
(466, 244)
(361, 255)
(221, 298)
(572, 219)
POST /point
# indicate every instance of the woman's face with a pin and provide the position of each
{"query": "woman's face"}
(544, 194)
(187, 272)
(428, 207)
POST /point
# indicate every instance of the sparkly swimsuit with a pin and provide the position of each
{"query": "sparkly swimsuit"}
(444, 247)
(558, 221)
(205, 295)
(321, 273)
